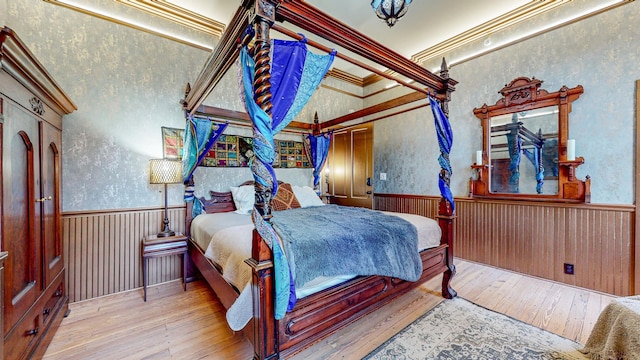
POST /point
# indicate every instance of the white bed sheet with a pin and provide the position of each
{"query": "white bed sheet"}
(226, 239)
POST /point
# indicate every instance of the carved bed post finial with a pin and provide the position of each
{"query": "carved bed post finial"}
(315, 127)
(444, 74)
(187, 90)
(444, 69)
(448, 85)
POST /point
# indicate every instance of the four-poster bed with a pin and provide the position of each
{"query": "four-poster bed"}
(272, 333)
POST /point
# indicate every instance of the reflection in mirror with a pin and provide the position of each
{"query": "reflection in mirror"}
(524, 152)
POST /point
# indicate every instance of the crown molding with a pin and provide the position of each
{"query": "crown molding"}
(571, 20)
(524, 12)
(178, 15)
(374, 78)
(148, 30)
(345, 76)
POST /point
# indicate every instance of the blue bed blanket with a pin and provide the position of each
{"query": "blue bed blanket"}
(333, 240)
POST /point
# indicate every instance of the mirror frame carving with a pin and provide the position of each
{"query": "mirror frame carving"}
(524, 94)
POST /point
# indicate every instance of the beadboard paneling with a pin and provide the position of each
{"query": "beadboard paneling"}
(102, 250)
(539, 238)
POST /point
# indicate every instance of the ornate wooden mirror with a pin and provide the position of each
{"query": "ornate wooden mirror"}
(526, 151)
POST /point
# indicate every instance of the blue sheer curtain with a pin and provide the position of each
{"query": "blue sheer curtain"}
(514, 143)
(535, 157)
(445, 141)
(199, 137)
(318, 150)
(295, 75)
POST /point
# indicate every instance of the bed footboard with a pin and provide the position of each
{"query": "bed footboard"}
(318, 315)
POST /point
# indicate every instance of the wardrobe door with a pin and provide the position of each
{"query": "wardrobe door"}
(50, 201)
(20, 235)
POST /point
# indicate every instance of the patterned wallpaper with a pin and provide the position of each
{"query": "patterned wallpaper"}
(127, 85)
(594, 53)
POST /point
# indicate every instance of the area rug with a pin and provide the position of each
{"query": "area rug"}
(459, 329)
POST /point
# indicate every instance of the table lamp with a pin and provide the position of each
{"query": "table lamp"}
(165, 171)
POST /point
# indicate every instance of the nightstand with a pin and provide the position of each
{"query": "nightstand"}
(154, 246)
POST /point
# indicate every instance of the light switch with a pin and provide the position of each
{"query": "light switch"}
(383, 176)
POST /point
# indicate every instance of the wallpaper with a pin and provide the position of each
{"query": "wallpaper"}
(127, 85)
(594, 53)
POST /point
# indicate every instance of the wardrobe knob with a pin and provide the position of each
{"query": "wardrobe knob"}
(44, 199)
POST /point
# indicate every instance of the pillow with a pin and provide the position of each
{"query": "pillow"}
(243, 198)
(285, 198)
(306, 196)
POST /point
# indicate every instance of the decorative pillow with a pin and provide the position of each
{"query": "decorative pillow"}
(306, 196)
(243, 198)
(285, 198)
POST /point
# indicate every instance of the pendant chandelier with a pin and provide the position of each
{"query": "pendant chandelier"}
(390, 10)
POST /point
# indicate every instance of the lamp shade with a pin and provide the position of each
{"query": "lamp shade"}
(165, 171)
(390, 10)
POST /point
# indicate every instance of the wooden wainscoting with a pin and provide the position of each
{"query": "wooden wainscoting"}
(102, 250)
(537, 238)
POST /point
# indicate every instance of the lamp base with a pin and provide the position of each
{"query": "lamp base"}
(166, 233)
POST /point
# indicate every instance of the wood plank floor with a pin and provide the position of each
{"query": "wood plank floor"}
(191, 325)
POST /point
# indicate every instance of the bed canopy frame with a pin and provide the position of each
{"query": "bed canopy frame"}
(274, 338)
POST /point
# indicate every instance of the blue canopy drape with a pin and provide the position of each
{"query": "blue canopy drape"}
(318, 150)
(445, 141)
(295, 74)
(535, 157)
(199, 137)
(514, 143)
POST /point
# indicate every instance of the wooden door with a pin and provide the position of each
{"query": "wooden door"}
(351, 166)
(20, 235)
(50, 201)
(339, 160)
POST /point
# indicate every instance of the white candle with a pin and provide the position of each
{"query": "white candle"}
(479, 157)
(571, 149)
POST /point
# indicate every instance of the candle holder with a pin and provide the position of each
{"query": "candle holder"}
(478, 185)
(572, 165)
(478, 169)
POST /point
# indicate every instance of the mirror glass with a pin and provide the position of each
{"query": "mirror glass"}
(524, 152)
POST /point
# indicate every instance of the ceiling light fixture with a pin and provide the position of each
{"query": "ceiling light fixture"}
(390, 10)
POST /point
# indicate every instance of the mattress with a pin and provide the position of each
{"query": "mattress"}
(226, 240)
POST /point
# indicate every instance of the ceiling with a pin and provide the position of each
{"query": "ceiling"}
(427, 22)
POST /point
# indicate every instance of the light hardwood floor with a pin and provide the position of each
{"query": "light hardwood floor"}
(191, 325)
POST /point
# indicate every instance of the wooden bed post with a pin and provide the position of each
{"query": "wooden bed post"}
(265, 341)
(445, 218)
(446, 214)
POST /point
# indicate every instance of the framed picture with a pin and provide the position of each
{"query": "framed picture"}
(172, 143)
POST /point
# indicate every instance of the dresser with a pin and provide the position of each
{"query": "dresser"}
(31, 109)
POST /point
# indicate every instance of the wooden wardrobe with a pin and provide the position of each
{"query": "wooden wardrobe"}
(31, 110)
